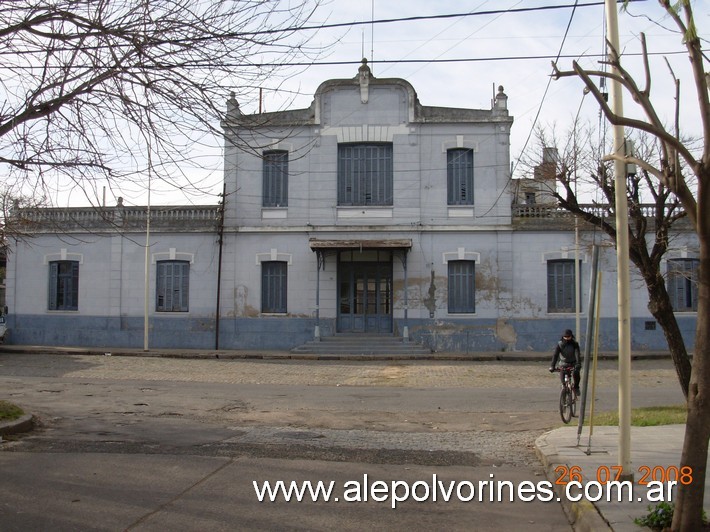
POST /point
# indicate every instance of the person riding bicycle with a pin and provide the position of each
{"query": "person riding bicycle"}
(568, 354)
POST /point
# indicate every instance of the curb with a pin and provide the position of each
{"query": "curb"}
(583, 515)
(22, 424)
(273, 355)
(509, 356)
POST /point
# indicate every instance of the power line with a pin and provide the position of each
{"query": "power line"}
(358, 62)
(452, 60)
(539, 110)
(428, 17)
(547, 87)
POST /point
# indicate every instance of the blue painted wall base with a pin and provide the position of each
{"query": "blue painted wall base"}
(459, 336)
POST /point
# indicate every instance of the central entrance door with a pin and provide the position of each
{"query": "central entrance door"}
(365, 292)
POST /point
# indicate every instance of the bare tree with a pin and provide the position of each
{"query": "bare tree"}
(12, 225)
(676, 154)
(109, 91)
(655, 214)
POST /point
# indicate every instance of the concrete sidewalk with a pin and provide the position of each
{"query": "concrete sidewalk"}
(651, 447)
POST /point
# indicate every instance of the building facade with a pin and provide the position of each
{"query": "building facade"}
(365, 213)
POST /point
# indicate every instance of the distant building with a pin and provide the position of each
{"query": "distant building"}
(539, 189)
(365, 213)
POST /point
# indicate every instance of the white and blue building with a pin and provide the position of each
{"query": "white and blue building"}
(365, 213)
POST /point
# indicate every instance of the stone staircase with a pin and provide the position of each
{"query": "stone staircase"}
(362, 344)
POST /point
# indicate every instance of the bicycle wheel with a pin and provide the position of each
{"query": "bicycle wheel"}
(565, 405)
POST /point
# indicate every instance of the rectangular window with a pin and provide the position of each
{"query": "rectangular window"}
(682, 284)
(462, 286)
(275, 179)
(273, 287)
(459, 171)
(64, 285)
(364, 174)
(560, 286)
(172, 286)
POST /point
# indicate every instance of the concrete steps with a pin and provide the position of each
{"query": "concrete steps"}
(361, 344)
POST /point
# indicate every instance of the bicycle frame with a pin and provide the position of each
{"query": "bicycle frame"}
(567, 371)
(568, 398)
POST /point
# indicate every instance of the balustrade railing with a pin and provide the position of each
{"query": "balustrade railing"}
(206, 216)
(196, 217)
(521, 210)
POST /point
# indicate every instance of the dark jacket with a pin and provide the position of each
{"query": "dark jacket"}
(567, 353)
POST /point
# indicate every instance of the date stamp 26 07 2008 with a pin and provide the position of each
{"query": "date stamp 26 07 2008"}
(658, 481)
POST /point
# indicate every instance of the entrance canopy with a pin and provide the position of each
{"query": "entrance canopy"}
(365, 289)
(324, 245)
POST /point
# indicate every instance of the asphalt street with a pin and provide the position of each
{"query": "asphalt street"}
(157, 444)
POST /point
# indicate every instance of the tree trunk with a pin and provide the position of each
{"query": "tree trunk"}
(689, 504)
(660, 307)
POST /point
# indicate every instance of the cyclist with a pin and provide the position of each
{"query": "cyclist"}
(568, 354)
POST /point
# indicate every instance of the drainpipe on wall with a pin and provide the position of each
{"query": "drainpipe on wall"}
(405, 329)
(320, 261)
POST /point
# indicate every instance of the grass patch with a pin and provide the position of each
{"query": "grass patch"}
(9, 411)
(651, 416)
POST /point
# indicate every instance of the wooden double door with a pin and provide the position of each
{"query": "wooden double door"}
(365, 295)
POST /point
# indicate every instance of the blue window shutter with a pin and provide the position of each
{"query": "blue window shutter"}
(365, 174)
(681, 284)
(459, 176)
(274, 286)
(184, 286)
(63, 285)
(74, 303)
(462, 286)
(275, 179)
(53, 282)
(172, 286)
(561, 286)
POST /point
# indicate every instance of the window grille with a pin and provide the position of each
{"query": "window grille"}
(682, 284)
(364, 174)
(64, 285)
(275, 179)
(273, 286)
(459, 170)
(560, 286)
(172, 286)
(462, 286)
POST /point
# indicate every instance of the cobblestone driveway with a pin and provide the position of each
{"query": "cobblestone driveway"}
(426, 374)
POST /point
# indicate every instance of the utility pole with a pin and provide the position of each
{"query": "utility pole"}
(622, 254)
(146, 293)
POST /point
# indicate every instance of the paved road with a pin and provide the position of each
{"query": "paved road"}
(212, 425)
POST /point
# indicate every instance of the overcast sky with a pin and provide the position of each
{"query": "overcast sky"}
(491, 41)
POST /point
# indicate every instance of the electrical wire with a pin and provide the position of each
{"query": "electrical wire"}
(429, 17)
(539, 110)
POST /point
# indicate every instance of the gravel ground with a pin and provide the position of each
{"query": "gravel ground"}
(381, 436)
